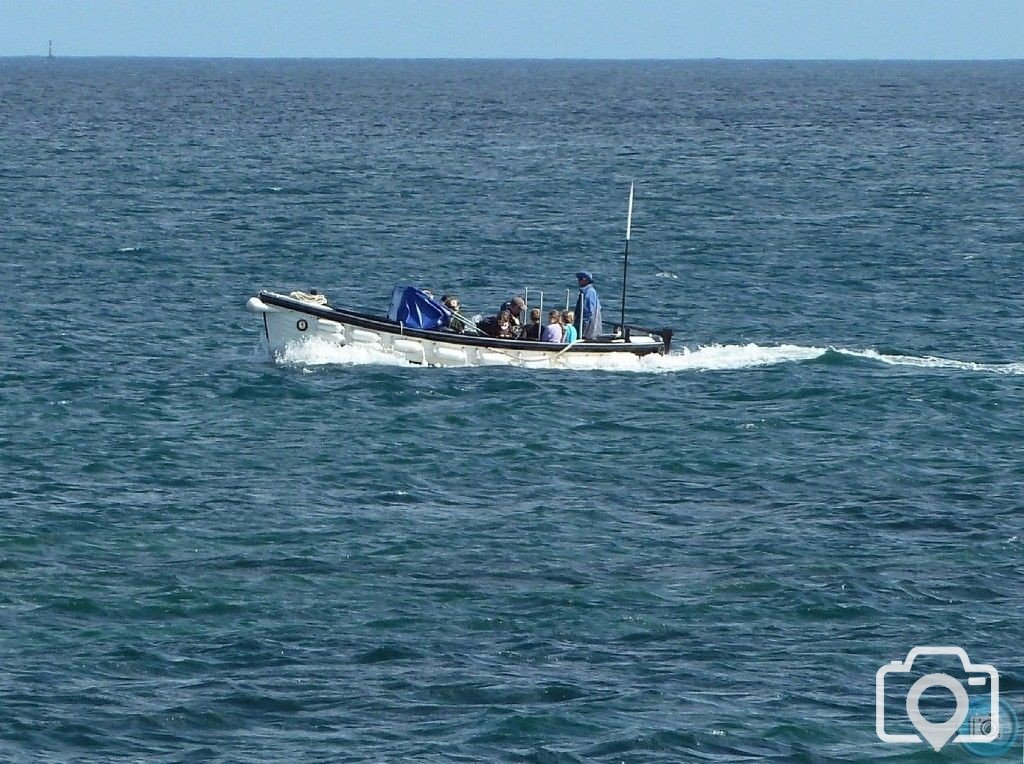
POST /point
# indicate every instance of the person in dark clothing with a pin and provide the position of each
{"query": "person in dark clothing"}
(488, 326)
(532, 330)
(500, 326)
(515, 308)
(507, 329)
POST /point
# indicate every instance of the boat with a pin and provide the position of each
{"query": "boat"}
(421, 330)
(415, 329)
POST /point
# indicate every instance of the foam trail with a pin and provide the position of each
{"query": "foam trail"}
(720, 357)
(713, 357)
(319, 352)
(707, 358)
(750, 356)
(935, 362)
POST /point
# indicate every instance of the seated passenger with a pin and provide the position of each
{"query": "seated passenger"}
(553, 331)
(569, 326)
(457, 325)
(507, 330)
(532, 330)
(488, 326)
(515, 308)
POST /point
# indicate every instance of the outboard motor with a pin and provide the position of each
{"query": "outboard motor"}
(666, 336)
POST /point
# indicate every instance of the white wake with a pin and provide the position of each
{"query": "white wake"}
(724, 357)
(317, 352)
(935, 362)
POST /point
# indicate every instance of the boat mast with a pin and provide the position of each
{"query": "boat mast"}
(625, 260)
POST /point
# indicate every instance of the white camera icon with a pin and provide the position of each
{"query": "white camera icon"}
(938, 734)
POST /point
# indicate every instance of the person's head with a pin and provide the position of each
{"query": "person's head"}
(568, 317)
(453, 303)
(516, 306)
(535, 315)
(554, 317)
(584, 278)
(504, 317)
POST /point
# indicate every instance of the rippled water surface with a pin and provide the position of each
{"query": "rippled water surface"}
(206, 554)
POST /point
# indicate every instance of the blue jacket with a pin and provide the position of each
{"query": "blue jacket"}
(588, 311)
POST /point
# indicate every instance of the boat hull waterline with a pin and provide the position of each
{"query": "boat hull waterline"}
(288, 321)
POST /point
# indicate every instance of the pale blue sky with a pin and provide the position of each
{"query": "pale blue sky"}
(914, 29)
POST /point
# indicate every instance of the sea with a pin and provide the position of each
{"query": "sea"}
(212, 553)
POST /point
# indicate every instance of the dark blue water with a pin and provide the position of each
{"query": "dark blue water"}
(206, 554)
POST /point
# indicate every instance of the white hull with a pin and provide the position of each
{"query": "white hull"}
(288, 322)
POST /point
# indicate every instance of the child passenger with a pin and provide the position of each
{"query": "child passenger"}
(532, 330)
(569, 326)
(553, 331)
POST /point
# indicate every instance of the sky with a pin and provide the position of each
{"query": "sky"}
(611, 29)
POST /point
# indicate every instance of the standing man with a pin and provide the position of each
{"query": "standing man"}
(588, 307)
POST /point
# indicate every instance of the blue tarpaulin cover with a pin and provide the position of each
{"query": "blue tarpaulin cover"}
(413, 309)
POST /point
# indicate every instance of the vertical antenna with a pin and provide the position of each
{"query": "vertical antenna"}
(625, 260)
